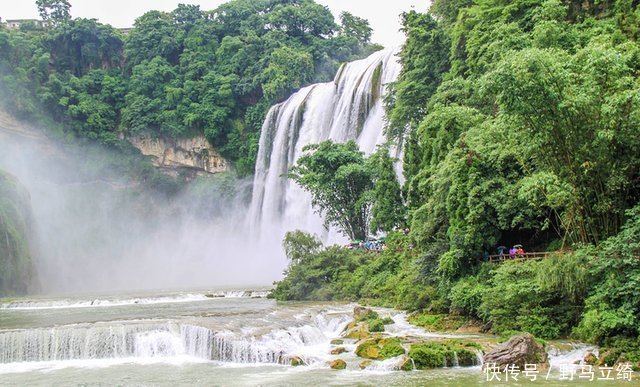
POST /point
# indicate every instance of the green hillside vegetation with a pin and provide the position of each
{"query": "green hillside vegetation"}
(520, 122)
(16, 268)
(176, 73)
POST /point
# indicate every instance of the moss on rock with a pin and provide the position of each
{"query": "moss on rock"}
(376, 325)
(338, 364)
(436, 354)
(380, 349)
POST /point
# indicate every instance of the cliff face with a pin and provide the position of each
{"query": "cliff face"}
(16, 266)
(195, 153)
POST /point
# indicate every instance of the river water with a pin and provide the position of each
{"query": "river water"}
(200, 338)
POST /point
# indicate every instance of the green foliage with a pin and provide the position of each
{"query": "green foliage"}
(435, 322)
(175, 74)
(387, 212)
(322, 275)
(16, 269)
(339, 181)
(466, 295)
(614, 305)
(298, 245)
(355, 27)
(544, 298)
(54, 11)
(376, 325)
(435, 355)
(380, 349)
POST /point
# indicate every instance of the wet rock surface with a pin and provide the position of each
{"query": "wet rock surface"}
(519, 350)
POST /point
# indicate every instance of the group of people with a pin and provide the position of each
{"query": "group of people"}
(515, 251)
(372, 245)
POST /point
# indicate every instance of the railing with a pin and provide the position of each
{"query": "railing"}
(504, 257)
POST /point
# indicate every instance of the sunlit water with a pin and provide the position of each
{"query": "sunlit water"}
(200, 338)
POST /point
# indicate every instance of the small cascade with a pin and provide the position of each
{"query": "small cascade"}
(349, 108)
(456, 363)
(570, 354)
(103, 342)
(165, 340)
(479, 358)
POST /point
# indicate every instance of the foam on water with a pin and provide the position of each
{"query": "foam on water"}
(106, 302)
(148, 341)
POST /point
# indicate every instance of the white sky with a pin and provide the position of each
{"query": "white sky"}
(383, 15)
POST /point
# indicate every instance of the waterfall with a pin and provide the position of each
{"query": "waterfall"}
(152, 340)
(349, 108)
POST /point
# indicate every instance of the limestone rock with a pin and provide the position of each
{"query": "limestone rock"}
(364, 364)
(170, 154)
(339, 350)
(519, 350)
(380, 348)
(357, 331)
(590, 359)
(338, 364)
(337, 342)
(361, 313)
(297, 361)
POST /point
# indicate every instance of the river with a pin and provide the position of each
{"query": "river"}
(201, 338)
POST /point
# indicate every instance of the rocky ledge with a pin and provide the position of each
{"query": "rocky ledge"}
(173, 154)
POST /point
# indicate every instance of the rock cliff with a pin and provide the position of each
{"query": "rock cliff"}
(195, 153)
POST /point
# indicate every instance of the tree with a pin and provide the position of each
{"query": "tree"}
(54, 11)
(340, 184)
(387, 212)
(356, 27)
(299, 245)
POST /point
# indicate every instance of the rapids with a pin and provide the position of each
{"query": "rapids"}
(203, 337)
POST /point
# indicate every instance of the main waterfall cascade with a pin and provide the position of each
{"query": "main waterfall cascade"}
(349, 108)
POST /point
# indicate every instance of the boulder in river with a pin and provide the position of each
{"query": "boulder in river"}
(380, 349)
(519, 350)
(357, 331)
(338, 350)
(590, 359)
(364, 364)
(360, 313)
(338, 364)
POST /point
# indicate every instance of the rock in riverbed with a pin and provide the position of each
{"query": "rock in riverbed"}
(519, 350)
(338, 364)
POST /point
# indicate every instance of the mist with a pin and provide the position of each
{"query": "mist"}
(95, 230)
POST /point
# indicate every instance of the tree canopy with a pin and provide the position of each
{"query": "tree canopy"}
(178, 73)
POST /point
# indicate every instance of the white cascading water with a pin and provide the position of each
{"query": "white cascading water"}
(349, 108)
(148, 341)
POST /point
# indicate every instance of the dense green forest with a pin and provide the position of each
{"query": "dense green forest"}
(174, 74)
(521, 124)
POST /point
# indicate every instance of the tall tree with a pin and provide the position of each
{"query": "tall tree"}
(387, 212)
(54, 11)
(340, 183)
(356, 27)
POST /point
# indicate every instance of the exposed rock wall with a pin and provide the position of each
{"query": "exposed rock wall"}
(195, 152)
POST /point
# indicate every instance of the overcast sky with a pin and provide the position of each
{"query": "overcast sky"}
(383, 15)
